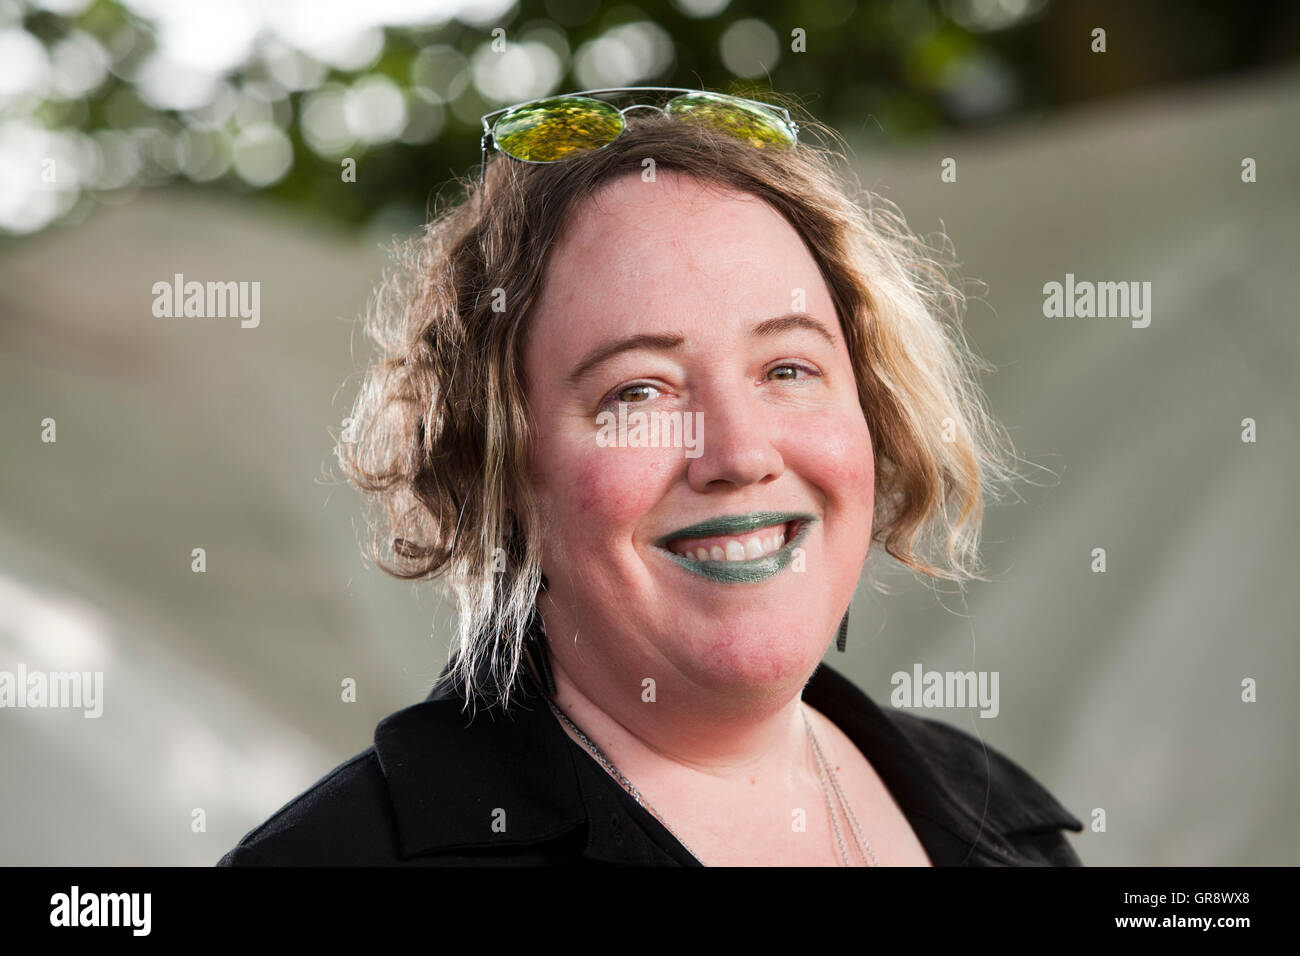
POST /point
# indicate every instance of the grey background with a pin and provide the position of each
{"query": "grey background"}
(1119, 691)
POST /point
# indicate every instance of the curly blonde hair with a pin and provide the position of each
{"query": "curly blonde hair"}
(440, 438)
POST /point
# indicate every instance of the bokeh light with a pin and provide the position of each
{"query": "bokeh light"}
(750, 48)
(270, 94)
(627, 54)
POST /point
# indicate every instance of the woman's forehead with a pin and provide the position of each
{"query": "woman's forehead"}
(680, 229)
(633, 199)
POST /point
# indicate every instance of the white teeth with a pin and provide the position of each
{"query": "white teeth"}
(750, 549)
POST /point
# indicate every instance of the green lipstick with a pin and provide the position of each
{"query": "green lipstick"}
(741, 572)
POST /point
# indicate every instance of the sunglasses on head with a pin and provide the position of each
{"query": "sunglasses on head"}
(551, 130)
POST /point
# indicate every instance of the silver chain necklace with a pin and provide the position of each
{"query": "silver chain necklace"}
(824, 770)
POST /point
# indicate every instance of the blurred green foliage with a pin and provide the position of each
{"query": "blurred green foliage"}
(402, 99)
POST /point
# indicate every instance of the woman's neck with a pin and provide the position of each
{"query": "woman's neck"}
(693, 744)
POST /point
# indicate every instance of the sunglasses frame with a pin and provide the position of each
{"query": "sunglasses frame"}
(778, 112)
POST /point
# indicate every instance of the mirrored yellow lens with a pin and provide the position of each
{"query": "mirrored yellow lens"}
(745, 121)
(550, 130)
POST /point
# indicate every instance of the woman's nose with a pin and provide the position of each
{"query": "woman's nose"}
(738, 444)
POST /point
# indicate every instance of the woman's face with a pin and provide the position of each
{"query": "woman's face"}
(716, 546)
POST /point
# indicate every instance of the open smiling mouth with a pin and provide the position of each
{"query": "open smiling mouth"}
(738, 549)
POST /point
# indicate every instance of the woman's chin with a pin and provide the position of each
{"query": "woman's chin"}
(756, 662)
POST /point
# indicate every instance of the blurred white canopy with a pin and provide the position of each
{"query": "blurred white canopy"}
(1120, 691)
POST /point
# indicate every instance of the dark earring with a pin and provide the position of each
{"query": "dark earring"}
(842, 639)
(536, 643)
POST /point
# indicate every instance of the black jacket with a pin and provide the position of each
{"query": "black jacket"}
(429, 790)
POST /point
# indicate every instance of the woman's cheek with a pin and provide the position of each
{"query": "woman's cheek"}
(620, 485)
(841, 461)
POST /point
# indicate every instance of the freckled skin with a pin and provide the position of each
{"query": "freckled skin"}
(678, 257)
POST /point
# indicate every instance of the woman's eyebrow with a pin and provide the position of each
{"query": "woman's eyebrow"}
(602, 353)
(666, 342)
(794, 320)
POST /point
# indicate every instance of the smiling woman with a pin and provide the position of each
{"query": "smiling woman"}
(643, 622)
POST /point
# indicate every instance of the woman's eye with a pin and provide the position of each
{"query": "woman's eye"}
(640, 394)
(629, 395)
(792, 371)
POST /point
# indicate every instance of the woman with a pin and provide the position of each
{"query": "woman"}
(645, 399)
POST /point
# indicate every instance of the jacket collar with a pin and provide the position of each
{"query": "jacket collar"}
(942, 776)
(462, 781)
(515, 778)
(498, 778)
